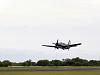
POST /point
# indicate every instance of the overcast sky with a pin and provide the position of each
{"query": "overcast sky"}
(27, 24)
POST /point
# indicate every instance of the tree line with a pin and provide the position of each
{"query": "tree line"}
(64, 62)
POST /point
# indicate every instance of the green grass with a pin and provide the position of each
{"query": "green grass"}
(82, 72)
(97, 72)
(21, 67)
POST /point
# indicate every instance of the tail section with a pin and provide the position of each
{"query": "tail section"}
(69, 42)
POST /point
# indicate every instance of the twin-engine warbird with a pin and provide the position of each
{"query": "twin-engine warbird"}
(61, 45)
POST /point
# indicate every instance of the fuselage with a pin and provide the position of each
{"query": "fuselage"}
(62, 46)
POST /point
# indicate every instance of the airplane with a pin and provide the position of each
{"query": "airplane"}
(61, 45)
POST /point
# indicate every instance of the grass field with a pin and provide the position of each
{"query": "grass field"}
(97, 72)
(21, 67)
(31, 67)
(73, 72)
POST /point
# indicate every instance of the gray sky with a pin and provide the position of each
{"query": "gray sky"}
(27, 24)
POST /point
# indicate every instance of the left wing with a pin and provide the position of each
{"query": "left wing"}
(48, 46)
(73, 45)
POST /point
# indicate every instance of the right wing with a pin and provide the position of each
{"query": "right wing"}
(48, 46)
(73, 45)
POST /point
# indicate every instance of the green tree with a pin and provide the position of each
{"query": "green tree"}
(1, 64)
(67, 62)
(6, 63)
(29, 63)
(94, 63)
(43, 63)
(56, 63)
(33, 63)
(79, 62)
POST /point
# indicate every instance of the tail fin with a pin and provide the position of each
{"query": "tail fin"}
(69, 42)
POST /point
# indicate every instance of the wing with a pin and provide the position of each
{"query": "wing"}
(73, 45)
(48, 46)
